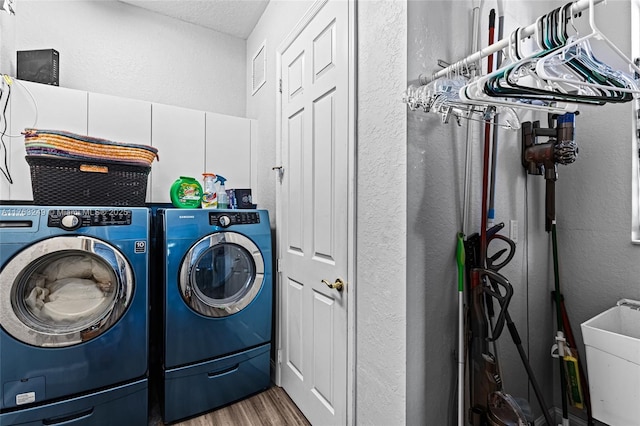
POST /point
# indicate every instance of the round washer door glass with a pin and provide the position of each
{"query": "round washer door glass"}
(221, 274)
(64, 290)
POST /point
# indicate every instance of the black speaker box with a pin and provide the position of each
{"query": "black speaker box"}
(39, 66)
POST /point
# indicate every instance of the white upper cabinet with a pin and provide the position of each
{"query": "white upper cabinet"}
(121, 120)
(189, 142)
(179, 135)
(51, 107)
(228, 149)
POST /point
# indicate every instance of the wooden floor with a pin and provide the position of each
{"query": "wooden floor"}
(271, 407)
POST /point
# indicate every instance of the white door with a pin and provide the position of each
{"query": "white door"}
(313, 216)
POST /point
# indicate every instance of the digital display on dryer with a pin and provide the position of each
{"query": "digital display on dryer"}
(89, 217)
(239, 218)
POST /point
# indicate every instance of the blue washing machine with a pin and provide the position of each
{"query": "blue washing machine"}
(73, 315)
(217, 305)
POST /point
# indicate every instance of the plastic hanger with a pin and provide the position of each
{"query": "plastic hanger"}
(562, 73)
(523, 81)
(441, 97)
(476, 91)
(570, 51)
(588, 67)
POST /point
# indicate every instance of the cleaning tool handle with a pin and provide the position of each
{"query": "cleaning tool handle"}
(460, 258)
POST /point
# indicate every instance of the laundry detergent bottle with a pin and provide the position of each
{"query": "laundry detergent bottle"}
(223, 198)
(209, 193)
(186, 192)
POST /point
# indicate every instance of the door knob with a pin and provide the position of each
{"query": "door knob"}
(338, 285)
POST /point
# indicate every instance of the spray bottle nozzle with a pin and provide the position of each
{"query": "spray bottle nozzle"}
(223, 198)
(220, 179)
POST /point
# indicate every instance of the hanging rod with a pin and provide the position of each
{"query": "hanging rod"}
(525, 32)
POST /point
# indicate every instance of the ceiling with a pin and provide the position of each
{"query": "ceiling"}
(233, 17)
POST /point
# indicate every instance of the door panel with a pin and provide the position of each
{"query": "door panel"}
(296, 183)
(323, 365)
(294, 354)
(296, 76)
(323, 50)
(324, 178)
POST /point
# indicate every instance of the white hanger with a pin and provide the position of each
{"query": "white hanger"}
(560, 86)
(473, 92)
(543, 65)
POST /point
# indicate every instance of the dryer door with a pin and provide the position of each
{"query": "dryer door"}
(221, 274)
(64, 290)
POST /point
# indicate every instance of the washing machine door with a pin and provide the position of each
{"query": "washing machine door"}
(64, 290)
(221, 274)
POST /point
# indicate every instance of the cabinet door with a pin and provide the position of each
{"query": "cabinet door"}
(121, 120)
(51, 107)
(179, 135)
(228, 149)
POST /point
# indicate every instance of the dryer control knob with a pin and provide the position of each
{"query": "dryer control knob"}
(224, 221)
(70, 222)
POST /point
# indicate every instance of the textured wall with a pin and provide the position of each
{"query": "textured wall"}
(381, 222)
(114, 48)
(435, 173)
(278, 19)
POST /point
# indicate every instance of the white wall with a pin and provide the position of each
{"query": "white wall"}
(7, 41)
(381, 246)
(278, 19)
(113, 48)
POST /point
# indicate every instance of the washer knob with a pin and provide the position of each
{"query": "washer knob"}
(224, 221)
(70, 222)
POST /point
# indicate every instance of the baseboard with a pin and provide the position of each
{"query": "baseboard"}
(557, 415)
(273, 372)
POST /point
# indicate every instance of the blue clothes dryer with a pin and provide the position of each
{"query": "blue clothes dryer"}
(73, 314)
(217, 306)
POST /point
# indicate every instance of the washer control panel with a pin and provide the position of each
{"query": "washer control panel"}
(70, 219)
(225, 219)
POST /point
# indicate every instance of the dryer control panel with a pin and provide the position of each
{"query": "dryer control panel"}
(224, 219)
(71, 219)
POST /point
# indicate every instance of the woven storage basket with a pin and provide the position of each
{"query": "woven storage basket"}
(61, 181)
